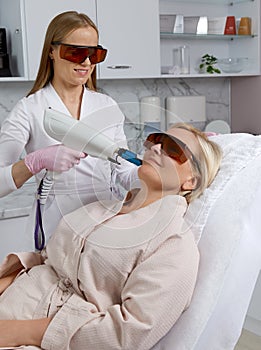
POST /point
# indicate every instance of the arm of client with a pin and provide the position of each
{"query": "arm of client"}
(152, 300)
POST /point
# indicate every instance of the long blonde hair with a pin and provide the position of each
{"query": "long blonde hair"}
(208, 163)
(58, 29)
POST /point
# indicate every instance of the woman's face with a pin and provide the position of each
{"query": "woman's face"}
(162, 173)
(69, 73)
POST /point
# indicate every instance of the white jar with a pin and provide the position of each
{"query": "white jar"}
(150, 114)
(181, 60)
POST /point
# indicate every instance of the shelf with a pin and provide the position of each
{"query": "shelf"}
(219, 45)
(200, 75)
(214, 2)
(205, 36)
(14, 79)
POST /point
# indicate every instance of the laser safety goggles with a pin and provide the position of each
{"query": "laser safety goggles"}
(173, 147)
(78, 54)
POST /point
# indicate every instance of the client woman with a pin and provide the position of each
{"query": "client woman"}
(115, 275)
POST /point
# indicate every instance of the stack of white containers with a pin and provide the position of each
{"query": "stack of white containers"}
(151, 115)
(188, 109)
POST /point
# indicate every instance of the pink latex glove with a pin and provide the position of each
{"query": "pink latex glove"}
(56, 158)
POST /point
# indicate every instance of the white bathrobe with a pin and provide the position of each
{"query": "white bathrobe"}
(109, 281)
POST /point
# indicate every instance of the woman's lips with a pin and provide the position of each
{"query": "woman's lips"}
(82, 71)
(153, 161)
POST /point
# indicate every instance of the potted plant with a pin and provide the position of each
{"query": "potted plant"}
(207, 64)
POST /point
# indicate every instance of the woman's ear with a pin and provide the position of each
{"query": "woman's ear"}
(190, 184)
(51, 52)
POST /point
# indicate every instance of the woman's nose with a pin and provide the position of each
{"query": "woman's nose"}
(87, 61)
(156, 148)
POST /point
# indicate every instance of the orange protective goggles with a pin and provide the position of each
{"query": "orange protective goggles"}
(173, 147)
(78, 54)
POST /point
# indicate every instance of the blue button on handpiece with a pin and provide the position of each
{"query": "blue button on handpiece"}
(129, 156)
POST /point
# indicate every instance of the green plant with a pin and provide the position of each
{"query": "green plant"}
(207, 64)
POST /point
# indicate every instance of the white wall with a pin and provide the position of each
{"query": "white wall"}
(246, 104)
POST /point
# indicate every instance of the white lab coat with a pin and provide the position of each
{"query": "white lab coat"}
(92, 179)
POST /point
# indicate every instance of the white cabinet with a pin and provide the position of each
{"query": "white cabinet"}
(14, 236)
(38, 14)
(221, 46)
(130, 32)
(26, 22)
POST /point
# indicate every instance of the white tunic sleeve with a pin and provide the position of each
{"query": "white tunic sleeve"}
(13, 138)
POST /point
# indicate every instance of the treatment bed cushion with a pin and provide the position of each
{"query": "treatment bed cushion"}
(239, 150)
(226, 222)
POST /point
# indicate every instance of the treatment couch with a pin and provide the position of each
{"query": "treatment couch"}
(226, 221)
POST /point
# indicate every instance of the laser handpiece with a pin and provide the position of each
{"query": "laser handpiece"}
(80, 136)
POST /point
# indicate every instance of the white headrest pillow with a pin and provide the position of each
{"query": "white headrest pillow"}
(239, 150)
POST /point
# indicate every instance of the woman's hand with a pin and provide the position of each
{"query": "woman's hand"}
(23, 332)
(56, 158)
(6, 281)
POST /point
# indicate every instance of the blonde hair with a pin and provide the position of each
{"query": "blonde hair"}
(58, 29)
(210, 157)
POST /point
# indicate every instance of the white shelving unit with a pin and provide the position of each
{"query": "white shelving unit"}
(221, 46)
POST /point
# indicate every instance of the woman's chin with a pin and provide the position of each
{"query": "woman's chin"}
(149, 175)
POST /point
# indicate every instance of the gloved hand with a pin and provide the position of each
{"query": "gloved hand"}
(56, 158)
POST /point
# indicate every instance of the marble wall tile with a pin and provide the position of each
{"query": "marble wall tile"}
(128, 93)
(10, 94)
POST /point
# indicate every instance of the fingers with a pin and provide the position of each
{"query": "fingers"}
(71, 152)
(83, 155)
(66, 158)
